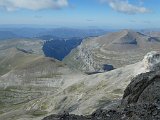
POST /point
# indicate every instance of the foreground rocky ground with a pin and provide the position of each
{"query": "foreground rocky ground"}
(141, 101)
(132, 112)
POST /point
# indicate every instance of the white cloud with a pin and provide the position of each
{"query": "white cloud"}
(12, 5)
(125, 7)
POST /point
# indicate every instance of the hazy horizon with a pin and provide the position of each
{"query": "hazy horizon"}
(111, 14)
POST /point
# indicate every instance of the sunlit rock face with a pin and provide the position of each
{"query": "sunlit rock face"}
(152, 60)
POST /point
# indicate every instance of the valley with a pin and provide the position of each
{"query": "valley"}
(60, 48)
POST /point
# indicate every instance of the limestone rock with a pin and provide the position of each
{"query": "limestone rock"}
(151, 61)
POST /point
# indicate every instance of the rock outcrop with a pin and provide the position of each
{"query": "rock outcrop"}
(145, 87)
(151, 61)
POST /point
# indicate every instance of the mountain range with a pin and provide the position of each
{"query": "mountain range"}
(33, 85)
(114, 50)
(29, 32)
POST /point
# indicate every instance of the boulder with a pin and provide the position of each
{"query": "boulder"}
(151, 61)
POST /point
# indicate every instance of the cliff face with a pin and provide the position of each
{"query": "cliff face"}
(117, 49)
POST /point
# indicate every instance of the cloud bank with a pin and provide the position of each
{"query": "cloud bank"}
(11, 5)
(124, 6)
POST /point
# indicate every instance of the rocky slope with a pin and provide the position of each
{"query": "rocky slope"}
(44, 86)
(12, 53)
(141, 99)
(114, 49)
(153, 33)
(131, 112)
(25, 88)
(28, 45)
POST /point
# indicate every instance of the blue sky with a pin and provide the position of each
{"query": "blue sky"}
(82, 13)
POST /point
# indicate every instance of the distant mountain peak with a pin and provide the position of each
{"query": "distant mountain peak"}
(125, 37)
(128, 32)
